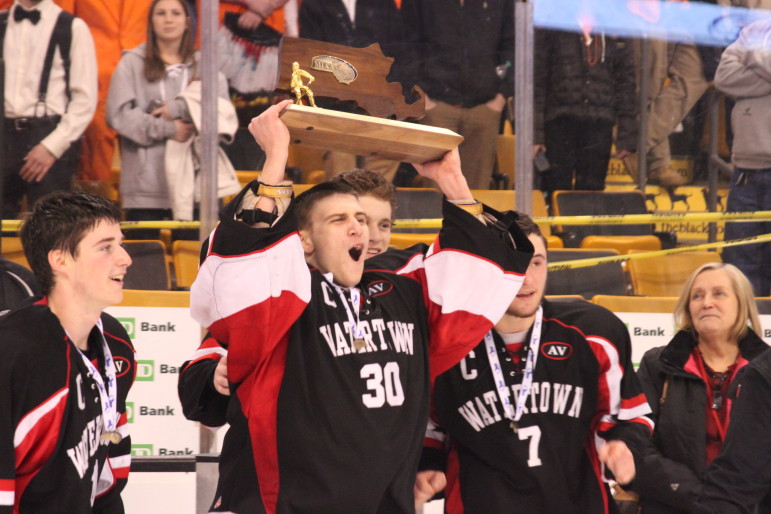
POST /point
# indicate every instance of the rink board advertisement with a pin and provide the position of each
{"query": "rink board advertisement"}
(649, 330)
(164, 337)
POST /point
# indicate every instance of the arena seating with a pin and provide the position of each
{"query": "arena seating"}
(150, 268)
(605, 278)
(665, 275)
(13, 250)
(636, 303)
(602, 203)
(185, 257)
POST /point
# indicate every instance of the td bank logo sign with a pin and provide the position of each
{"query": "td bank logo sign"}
(130, 325)
(145, 371)
(142, 450)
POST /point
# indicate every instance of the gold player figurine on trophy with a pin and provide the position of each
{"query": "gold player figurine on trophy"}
(298, 88)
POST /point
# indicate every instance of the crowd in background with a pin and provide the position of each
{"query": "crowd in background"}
(134, 82)
(129, 71)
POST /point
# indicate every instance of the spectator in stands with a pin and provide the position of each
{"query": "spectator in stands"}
(686, 383)
(584, 85)
(67, 366)
(48, 102)
(115, 26)
(149, 105)
(739, 479)
(462, 56)
(357, 23)
(679, 74)
(745, 73)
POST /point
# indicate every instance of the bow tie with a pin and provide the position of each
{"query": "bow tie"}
(20, 14)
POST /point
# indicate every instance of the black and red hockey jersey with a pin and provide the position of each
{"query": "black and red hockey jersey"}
(584, 391)
(332, 427)
(51, 455)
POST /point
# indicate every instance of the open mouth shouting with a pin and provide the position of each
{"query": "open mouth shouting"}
(356, 251)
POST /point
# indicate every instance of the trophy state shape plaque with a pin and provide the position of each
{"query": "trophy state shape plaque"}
(314, 69)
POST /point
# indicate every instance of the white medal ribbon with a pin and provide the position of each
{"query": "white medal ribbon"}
(527, 379)
(107, 394)
(356, 331)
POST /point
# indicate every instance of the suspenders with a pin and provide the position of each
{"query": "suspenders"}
(61, 37)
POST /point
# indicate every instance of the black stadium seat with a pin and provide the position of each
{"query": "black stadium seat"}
(605, 279)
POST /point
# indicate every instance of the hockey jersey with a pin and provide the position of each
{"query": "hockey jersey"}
(334, 426)
(583, 391)
(52, 457)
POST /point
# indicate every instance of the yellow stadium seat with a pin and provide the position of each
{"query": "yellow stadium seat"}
(13, 250)
(564, 297)
(554, 243)
(624, 244)
(301, 188)
(246, 176)
(314, 176)
(636, 303)
(186, 255)
(142, 298)
(305, 158)
(402, 241)
(666, 275)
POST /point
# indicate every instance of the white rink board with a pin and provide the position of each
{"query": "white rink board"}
(160, 493)
(651, 329)
(164, 337)
(161, 352)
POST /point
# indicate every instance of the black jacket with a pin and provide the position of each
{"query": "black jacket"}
(376, 21)
(740, 476)
(670, 478)
(453, 49)
(594, 82)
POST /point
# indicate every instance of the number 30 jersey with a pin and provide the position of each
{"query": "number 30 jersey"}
(335, 414)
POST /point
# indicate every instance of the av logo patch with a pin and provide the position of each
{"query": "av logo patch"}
(557, 351)
(145, 371)
(141, 450)
(130, 324)
(122, 365)
(130, 411)
(379, 288)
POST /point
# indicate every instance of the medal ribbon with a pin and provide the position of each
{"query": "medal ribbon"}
(356, 331)
(107, 394)
(527, 378)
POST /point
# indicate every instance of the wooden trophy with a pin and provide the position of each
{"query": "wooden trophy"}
(357, 75)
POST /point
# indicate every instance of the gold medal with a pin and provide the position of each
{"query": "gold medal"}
(514, 427)
(113, 437)
(359, 344)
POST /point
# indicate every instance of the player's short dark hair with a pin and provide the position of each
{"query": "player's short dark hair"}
(59, 221)
(366, 182)
(303, 204)
(529, 227)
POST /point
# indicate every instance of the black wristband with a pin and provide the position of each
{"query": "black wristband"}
(254, 216)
